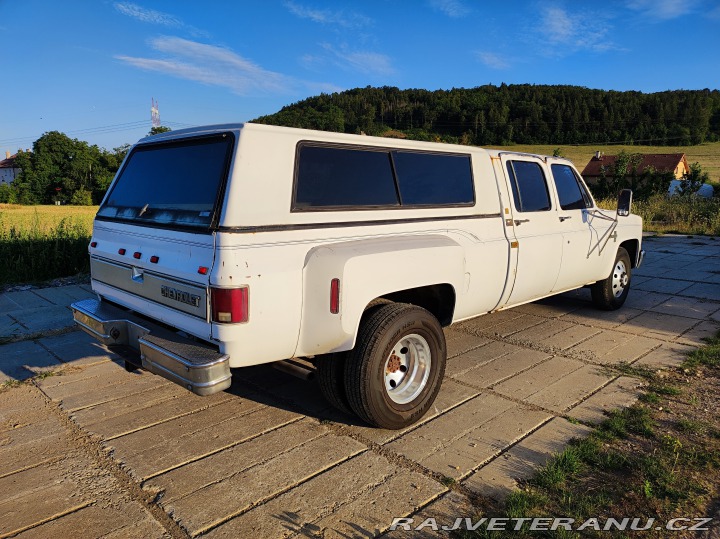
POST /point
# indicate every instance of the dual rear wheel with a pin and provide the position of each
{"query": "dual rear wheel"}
(392, 376)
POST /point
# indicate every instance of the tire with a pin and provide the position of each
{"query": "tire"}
(331, 379)
(611, 293)
(394, 373)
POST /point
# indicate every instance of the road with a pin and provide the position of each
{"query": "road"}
(90, 450)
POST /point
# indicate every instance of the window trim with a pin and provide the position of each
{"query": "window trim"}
(584, 190)
(511, 162)
(389, 150)
(220, 195)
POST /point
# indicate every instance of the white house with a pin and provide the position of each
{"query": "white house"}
(8, 171)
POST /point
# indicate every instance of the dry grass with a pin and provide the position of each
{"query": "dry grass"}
(708, 155)
(44, 218)
(43, 242)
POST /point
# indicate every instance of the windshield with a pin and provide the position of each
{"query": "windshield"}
(171, 183)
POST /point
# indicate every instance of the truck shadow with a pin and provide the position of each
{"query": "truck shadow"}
(265, 384)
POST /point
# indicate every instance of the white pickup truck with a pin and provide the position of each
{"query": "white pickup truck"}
(233, 245)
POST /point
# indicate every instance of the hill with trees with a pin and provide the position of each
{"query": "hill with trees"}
(513, 114)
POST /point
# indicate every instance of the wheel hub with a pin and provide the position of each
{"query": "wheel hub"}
(407, 368)
(620, 278)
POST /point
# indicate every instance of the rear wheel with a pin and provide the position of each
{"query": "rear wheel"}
(393, 374)
(611, 293)
(331, 379)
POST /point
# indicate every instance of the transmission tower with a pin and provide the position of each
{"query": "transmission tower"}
(155, 113)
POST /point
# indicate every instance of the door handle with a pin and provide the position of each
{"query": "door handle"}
(518, 222)
(563, 218)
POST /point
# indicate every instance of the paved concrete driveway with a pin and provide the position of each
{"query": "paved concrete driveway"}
(90, 450)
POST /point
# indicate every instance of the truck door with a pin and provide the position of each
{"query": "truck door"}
(535, 227)
(578, 228)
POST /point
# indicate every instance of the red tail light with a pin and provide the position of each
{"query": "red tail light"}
(335, 296)
(121, 251)
(230, 305)
(93, 244)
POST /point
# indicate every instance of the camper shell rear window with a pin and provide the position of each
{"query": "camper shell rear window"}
(171, 184)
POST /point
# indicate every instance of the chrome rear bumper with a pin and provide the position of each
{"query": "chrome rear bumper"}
(195, 366)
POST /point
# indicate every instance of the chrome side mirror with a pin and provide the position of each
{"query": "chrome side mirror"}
(624, 202)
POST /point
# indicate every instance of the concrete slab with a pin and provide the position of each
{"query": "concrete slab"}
(444, 510)
(687, 307)
(709, 291)
(667, 286)
(452, 394)
(459, 342)
(571, 389)
(569, 337)
(642, 300)
(501, 476)
(470, 451)
(24, 299)
(63, 295)
(609, 347)
(658, 326)
(248, 484)
(697, 335)
(619, 393)
(119, 520)
(667, 355)
(595, 318)
(78, 348)
(515, 360)
(357, 498)
(142, 410)
(42, 319)
(21, 360)
(163, 447)
(435, 436)
(529, 382)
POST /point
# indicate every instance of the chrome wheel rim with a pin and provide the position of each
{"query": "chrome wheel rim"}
(620, 278)
(407, 368)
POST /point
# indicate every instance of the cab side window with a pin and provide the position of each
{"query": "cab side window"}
(571, 192)
(528, 186)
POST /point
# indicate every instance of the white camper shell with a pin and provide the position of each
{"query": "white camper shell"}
(226, 246)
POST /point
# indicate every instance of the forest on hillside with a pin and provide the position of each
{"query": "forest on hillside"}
(513, 114)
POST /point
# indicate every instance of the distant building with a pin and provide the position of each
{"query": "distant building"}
(659, 162)
(8, 171)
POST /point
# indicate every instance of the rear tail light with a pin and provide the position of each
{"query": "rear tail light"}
(137, 254)
(93, 244)
(229, 305)
(154, 259)
(121, 251)
(335, 296)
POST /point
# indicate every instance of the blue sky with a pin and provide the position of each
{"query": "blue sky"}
(90, 68)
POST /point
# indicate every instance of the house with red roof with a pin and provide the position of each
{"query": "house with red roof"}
(658, 162)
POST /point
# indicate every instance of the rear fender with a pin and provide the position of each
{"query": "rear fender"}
(368, 269)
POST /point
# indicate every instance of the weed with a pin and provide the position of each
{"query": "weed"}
(650, 397)
(692, 427)
(707, 356)
(666, 390)
(448, 481)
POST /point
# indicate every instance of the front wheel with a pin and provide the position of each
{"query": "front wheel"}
(394, 373)
(610, 293)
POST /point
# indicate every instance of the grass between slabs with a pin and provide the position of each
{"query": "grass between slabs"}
(659, 458)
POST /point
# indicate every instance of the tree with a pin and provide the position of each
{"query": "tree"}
(692, 180)
(58, 167)
(159, 129)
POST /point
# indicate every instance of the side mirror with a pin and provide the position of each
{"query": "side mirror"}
(624, 202)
